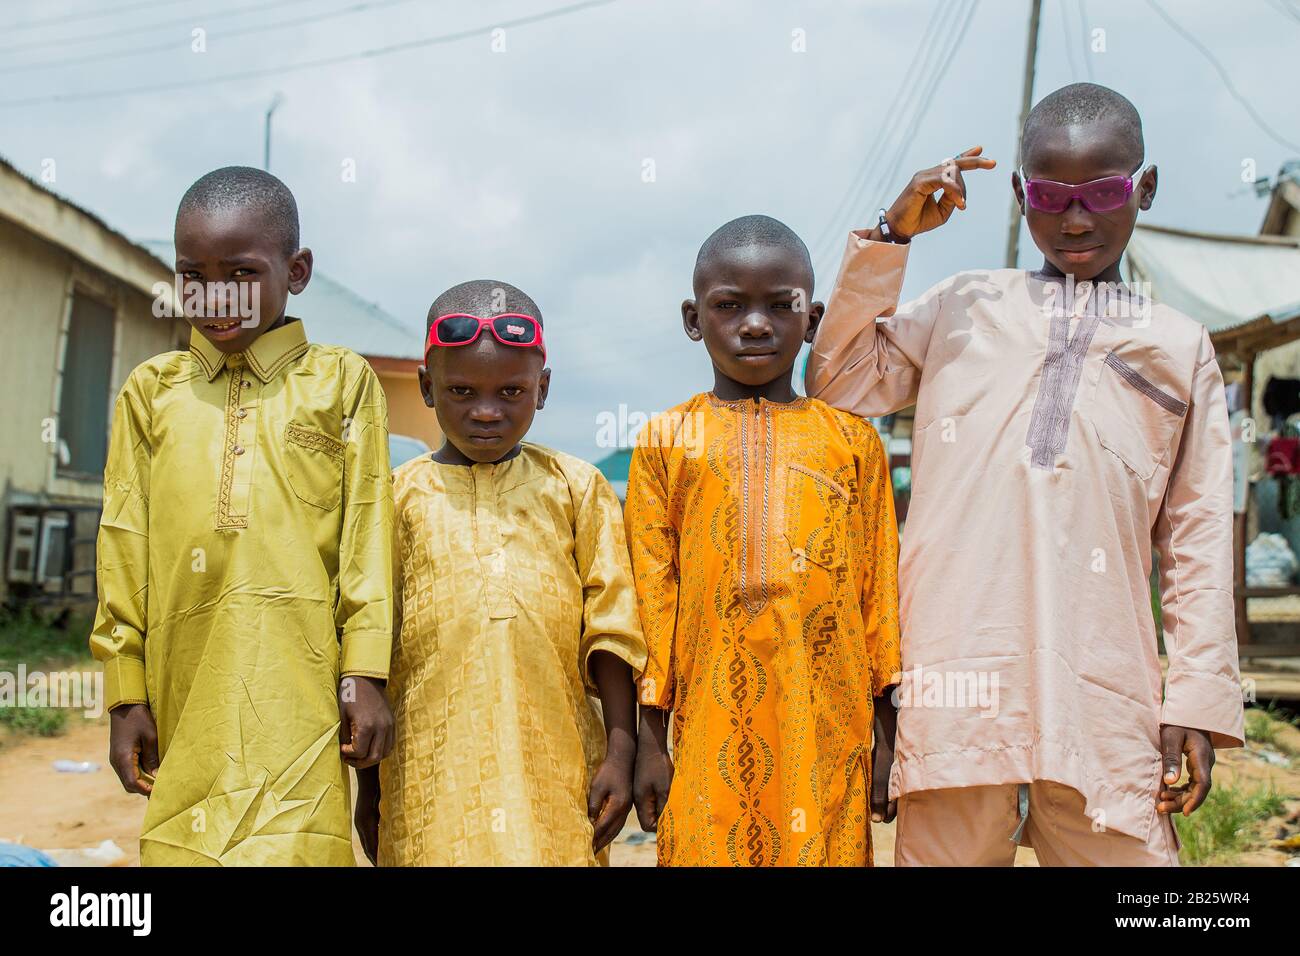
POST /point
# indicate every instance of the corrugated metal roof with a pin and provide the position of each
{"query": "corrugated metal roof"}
(1221, 281)
(335, 315)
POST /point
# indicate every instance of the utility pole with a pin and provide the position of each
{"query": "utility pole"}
(1026, 100)
(266, 139)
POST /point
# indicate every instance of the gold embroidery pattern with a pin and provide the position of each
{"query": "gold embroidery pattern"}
(763, 531)
(834, 486)
(266, 373)
(319, 441)
(225, 520)
(750, 762)
(744, 511)
(753, 540)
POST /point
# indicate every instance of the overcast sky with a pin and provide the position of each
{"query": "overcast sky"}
(529, 163)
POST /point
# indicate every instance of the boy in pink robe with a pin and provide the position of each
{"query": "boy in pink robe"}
(1065, 425)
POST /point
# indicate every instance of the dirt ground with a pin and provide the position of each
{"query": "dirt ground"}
(50, 810)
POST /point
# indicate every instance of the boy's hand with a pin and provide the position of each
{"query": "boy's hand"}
(366, 815)
(133, 746)
(610, 798)
(916, 210)
(365, 722)
(654, 768)
(883, 809)
(1174, 743)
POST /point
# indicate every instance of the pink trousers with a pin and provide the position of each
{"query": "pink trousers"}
(981, 826)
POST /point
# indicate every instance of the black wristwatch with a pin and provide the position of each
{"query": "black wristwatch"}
(888, 233)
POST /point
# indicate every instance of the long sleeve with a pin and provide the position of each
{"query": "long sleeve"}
(869, 352)
(1194, 538)
(364, 614)
(652, 540)
(122, 550)
(609, 614)
(400, 536)
(880, 584)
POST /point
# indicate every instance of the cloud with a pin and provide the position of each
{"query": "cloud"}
(528, 165)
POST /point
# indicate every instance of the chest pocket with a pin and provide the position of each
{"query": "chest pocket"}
(315, 462)
(1135, 419)
(816, 516)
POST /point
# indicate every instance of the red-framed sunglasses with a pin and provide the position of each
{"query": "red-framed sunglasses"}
(509, 328)
(1099, 195)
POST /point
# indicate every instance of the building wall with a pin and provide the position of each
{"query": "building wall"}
(34, 278)
(407, 413)
(38, 280)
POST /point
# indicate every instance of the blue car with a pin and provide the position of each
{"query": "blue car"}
(402, 448)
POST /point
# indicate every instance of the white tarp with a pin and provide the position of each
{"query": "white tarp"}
(1221, 281)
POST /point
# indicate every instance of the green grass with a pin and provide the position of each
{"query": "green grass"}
(35, 638)
(1263, 726)
(1226, 823)
(1155, 613)
(39, 640)
(39, 721)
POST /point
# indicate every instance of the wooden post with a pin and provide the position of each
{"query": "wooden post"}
(1241, 522)
(1026, 100)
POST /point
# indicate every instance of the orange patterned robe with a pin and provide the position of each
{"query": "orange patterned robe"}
(765, 556)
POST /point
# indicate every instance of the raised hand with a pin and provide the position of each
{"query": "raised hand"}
(918, 210)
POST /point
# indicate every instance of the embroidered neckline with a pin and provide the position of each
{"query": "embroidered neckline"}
(800, 401)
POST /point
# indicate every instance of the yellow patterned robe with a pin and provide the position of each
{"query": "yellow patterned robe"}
(765, 556)
(510, 576)
(244, 566)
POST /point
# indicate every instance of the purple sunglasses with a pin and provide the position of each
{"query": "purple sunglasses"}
(1100, 195)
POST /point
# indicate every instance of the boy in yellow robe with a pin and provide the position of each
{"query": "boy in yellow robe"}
(245, 615)
(515, 607)
(764, 549)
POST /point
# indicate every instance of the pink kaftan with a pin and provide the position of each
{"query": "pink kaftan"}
(1056, 443)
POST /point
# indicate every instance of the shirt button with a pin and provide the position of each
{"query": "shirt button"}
(245, 384)
(239, 449)
(243, 413)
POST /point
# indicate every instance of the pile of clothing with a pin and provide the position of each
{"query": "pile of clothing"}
(1270, 562)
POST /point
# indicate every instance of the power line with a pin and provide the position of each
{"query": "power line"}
(196, 19)
(1223, 75)
(868, 168)
(224, 34)
(1066, 29)
(933, 88)
(925, 88)
(91, 15)
(1285, 9)
(884, 129)
(1083, 35)
(308, 64)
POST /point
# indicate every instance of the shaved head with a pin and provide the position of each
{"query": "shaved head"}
(243, 187)
(1082, 103)
(752, 231)
(484, 297)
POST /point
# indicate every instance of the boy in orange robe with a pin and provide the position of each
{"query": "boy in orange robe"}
(764, 550)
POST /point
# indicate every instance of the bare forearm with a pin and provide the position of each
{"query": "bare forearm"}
(653, 733)
(613, 679)
(368, 782)
(886, 717)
